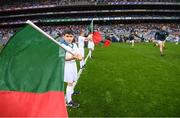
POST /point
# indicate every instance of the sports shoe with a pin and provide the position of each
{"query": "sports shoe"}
(76, 93)
(73, 104)
(83, 67)
(162, 54)
(91, 58)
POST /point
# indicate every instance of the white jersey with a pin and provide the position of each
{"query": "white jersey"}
(70, 69)
(75, 48)
(81, 40)
(176, 38)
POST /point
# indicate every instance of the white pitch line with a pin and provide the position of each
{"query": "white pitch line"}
(80, 70)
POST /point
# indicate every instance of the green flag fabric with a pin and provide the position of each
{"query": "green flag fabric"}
(90, 27)
(31, 76)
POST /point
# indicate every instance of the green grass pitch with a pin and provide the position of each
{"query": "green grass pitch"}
(125, 81)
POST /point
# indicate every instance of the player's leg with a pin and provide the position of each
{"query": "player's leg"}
(163, 43)
(82, 61)
(70, 73)
(69, 92)
(161, 48)
(75, 92)
(90, 53)
(132, 43)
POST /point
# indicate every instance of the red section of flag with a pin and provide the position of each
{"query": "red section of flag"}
(107, 43)
(97, 38)
(24, 104)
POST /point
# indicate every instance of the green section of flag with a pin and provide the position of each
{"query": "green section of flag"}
(90, 27)
(31, 62)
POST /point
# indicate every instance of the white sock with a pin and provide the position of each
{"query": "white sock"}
(90, 53)
(69, 91)
(74, 84)
(81, 63)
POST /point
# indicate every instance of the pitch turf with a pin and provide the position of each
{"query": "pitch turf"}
(125, 81)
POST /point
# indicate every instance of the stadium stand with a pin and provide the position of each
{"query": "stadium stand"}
(114, 18)
(119, 31)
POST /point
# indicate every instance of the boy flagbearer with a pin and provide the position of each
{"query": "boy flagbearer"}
(90, 45)
(81, 40)
(70, 69)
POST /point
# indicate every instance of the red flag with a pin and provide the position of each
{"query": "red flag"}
(97, 37)
(107, 43)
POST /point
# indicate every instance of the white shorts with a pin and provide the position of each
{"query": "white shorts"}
(161, 42)
(132, 41)
(81, 50)
(91, 45)
(70, 71)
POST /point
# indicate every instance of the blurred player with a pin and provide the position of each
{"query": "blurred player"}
(131, 38)
(81, 40)
(161, 36)
(176, 39)
(90, 45)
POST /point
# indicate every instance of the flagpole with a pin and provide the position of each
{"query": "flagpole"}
(67, 48)
(92, 28)
(92, 25)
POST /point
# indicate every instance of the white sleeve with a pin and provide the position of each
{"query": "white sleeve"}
(75, 47)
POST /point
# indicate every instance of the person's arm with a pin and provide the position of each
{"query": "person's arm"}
(167, 34)
(70, 57)
(86, 39)
(89, 37)
(156, 36)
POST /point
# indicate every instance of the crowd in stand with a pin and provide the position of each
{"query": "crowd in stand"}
(144, 31)
(5, 4)
(131, 1)
(56, 31)
(5, 34)
(13, 4)
(9, 4)
(120, 31)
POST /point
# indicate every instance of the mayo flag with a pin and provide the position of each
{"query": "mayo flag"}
(31, 76)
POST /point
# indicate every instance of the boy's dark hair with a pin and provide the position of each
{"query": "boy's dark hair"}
(68, 32)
